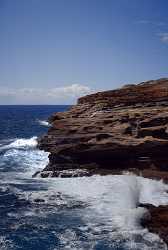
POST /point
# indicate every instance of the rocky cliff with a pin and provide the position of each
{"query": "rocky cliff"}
(110, 132)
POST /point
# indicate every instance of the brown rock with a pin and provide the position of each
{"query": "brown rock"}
(157, 222)
(112, 131)
(115, 130)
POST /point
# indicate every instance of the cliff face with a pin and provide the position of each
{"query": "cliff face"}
(111, 131)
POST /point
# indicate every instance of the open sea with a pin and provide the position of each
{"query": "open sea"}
(84, 213)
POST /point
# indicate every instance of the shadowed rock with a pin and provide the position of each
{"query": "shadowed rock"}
(157, 221)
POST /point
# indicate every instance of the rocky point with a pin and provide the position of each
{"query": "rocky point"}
(111, 132)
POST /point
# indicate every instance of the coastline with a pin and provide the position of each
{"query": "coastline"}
(112, 132)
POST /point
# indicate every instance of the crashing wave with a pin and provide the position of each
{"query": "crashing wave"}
(22, 158)
(22, 143)
(108, 206)
(43, 123)
(111, 211)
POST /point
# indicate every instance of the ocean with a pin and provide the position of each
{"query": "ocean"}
(84, 213)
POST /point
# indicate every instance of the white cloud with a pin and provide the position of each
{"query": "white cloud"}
(58, 95)
(149, 22)
(74, 90)
(164, 37)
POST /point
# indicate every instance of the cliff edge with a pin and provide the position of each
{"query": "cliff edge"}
(111, 132)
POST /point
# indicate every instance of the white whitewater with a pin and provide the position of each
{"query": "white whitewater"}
(43, 123)
(23, 152)
(114, 198)
(111, 207)
(110, 203)
(21, 143)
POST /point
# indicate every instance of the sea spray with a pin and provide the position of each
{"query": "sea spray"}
(103, 209)
(22, 158)
(43, 123)
(20, 143)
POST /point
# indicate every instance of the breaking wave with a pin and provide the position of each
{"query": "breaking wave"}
(21, 158)
(43, 123)
(84, 213)
(21, 143)
(104, 209)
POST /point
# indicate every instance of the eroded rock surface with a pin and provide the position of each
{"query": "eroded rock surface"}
(157, 221)
(110, 132)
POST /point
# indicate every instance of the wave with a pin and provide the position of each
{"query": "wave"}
(114, 198)
(108, 208)
(5, 243)
(43, 123)
(21, 158)
(21, 143)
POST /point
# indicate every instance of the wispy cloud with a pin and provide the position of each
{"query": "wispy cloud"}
(57, 95)
(158, 25)
(149, 22)
(164, 37)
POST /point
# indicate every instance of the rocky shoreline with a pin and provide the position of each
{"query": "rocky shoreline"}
(112, 132)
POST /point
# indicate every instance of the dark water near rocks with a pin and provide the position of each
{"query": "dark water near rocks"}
(99, 213)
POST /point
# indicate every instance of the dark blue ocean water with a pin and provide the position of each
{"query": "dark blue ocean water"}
(24, 121)
(98, 213)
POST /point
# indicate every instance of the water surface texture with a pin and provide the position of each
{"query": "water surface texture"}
(98, 212)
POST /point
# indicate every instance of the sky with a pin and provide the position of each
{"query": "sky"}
(54, 51)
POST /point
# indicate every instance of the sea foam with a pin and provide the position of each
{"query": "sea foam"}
(19, 143)
(113, 206)
(43, 123)
(108, 206)
(22, 158)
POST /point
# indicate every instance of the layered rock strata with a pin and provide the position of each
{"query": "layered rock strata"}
(111, 132)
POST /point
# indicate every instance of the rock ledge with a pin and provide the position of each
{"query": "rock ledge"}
(111, 132)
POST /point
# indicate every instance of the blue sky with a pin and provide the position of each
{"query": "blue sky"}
(52, 51)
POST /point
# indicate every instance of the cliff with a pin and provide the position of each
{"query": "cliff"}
(111, 132)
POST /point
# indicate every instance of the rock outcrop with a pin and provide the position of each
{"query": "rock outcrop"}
(110, 132)
(157, 221)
